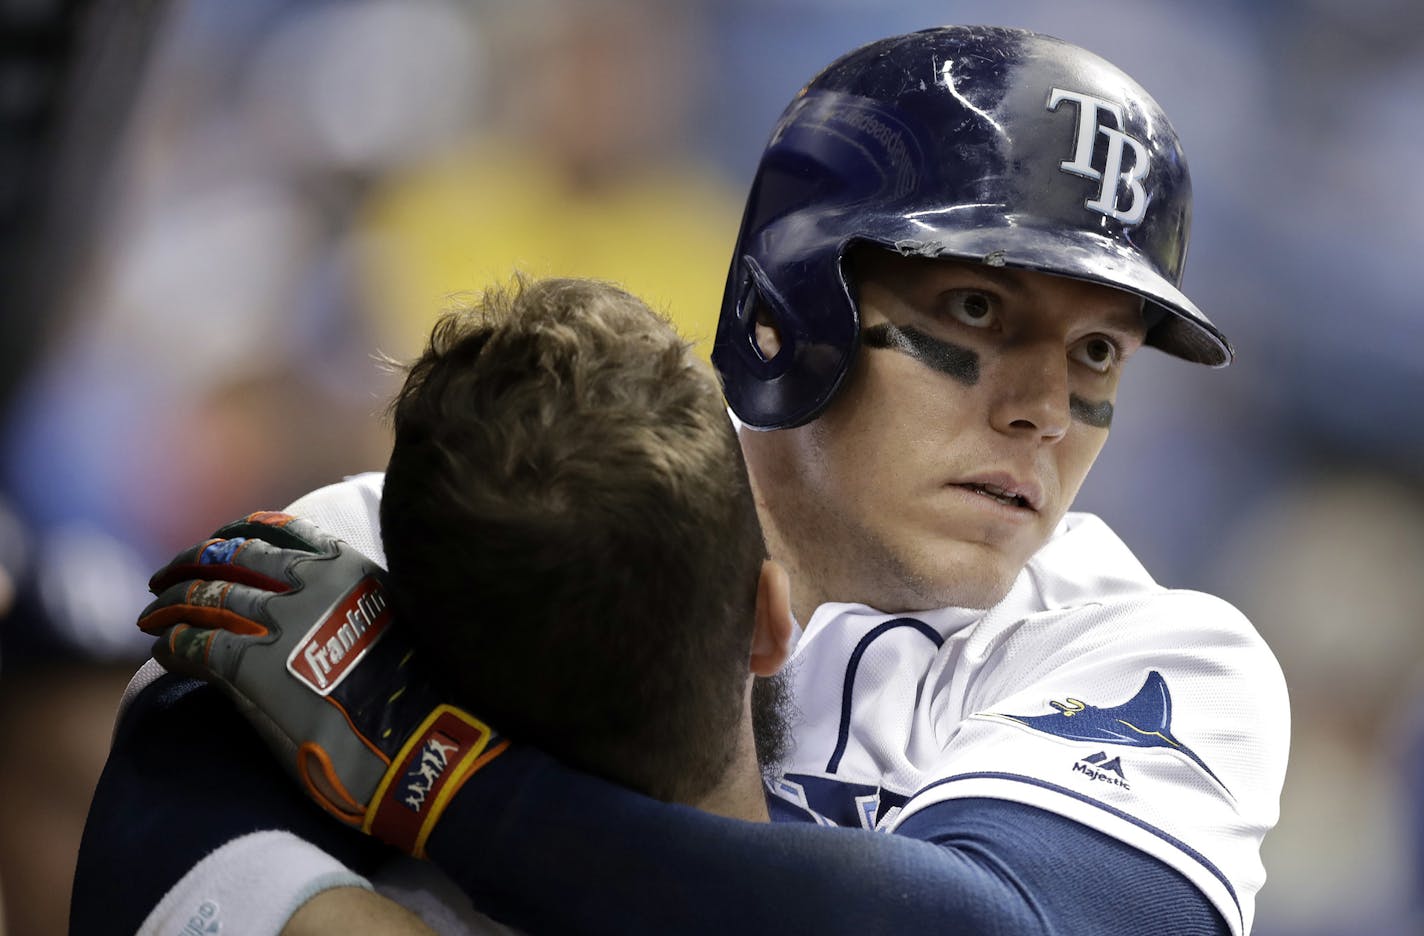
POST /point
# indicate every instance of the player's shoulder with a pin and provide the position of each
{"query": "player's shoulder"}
(1083, 562)
(1192, 618)
(1087, 569)
(1192, 621)
(1201, 645)
(156, 697)
(1085, 600)
(363, 490)
(349, 509)
(1217, 652)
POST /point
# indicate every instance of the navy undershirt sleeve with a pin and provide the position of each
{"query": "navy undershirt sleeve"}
(1080, 879)
(186, 774)
(552, 850)
(558, 851)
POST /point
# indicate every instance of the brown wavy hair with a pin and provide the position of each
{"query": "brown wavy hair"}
(571, 535)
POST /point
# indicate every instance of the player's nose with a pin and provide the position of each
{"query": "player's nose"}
(1032, 392)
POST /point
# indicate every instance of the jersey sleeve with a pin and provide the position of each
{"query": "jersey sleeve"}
(350, 510)
(1161, 721)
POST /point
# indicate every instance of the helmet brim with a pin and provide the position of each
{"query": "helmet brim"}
(1179, 328)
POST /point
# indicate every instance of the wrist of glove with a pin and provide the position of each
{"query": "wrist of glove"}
(295, 627)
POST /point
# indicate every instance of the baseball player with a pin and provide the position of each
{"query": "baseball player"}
(476, 503)
(954, 241)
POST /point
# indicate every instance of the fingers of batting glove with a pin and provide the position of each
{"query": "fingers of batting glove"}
(201, 652)
(257, 549)
(283, 530)
(229, 606)
(245, 560)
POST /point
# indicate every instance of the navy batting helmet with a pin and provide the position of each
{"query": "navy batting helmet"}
(993, 145)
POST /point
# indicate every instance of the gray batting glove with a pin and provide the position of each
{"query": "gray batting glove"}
(294, 626)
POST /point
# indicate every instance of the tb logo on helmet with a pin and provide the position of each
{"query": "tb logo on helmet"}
(1112, 173)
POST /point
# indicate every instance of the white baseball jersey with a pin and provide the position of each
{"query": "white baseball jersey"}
(1158, 717)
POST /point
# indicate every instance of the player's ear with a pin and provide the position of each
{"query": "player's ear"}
(771, 639)
(768, 335)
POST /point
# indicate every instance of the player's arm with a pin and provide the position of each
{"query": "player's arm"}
(192, 796)
(188, 785)
(626, 863)
(353, 911)
(974, 866)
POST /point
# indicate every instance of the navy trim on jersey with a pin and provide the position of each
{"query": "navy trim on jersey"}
(1167, 837)
(843, 736)
(839, 801)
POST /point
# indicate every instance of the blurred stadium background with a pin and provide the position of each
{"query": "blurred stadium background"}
(212, 215)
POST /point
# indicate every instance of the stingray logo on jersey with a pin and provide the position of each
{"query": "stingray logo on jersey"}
(1113, 175)
(1144, 721)
(1098, 767)
(331, 649)
(425, 770)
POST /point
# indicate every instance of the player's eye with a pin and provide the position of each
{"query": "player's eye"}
(971, 307)
(1097, 352)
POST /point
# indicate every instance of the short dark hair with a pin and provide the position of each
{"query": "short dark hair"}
(571, 535)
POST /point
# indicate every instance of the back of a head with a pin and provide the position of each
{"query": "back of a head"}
(571, 535)
(983, 144)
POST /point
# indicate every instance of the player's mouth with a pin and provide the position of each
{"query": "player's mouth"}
(1006, 492)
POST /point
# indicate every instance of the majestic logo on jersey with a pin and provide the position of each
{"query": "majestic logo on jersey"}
(1099, 767)
(1144, 721)
(1125, 162)
(330, 650)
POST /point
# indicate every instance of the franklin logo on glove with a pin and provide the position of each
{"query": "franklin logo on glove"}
(331, 649)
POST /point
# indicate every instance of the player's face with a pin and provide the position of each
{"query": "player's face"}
(979, 400)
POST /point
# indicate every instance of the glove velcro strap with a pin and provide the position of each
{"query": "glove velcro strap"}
(449, 746)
